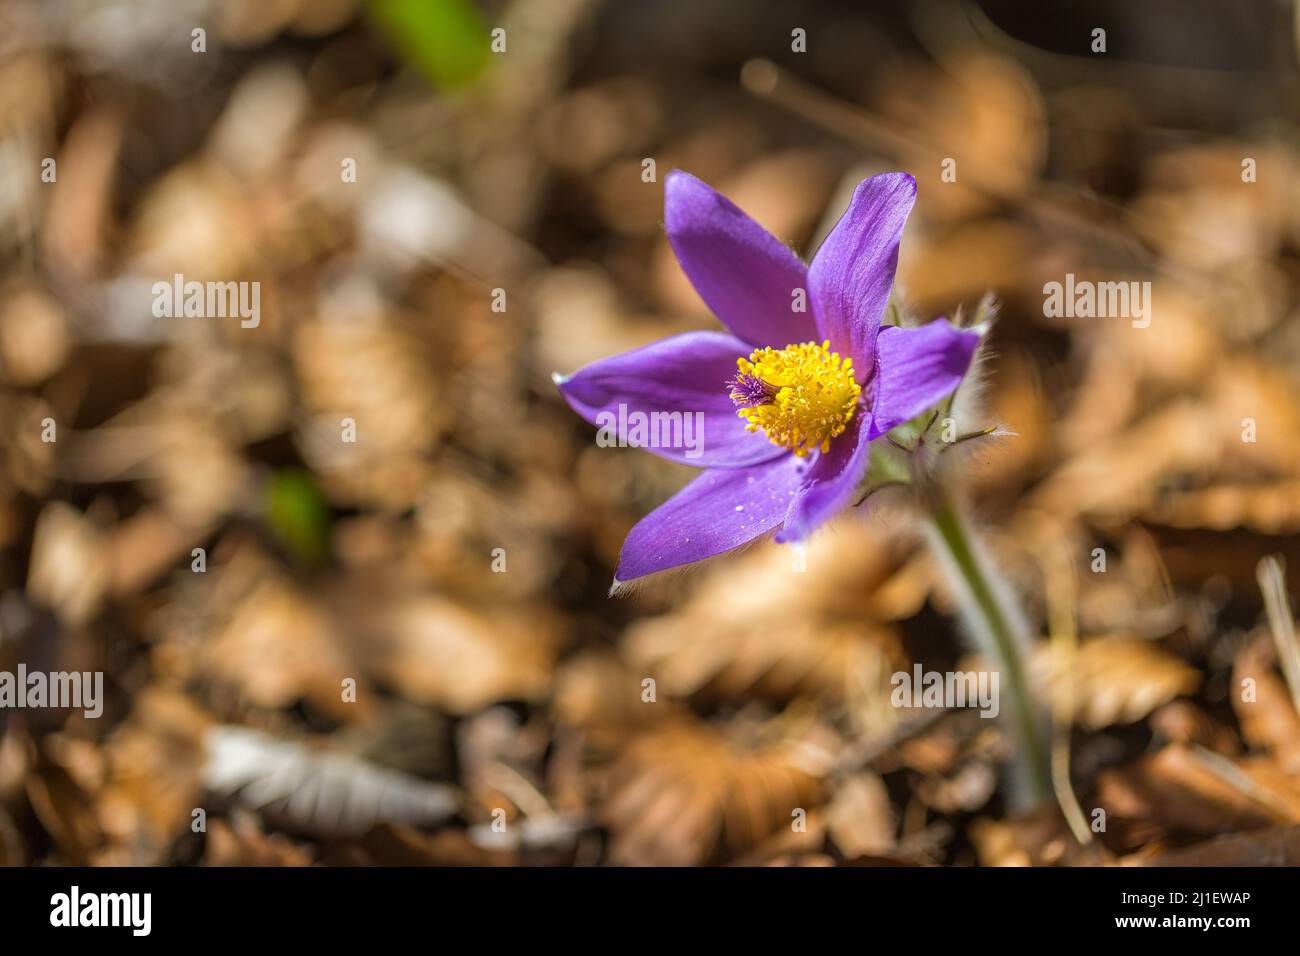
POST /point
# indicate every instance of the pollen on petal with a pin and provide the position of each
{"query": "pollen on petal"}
(801, 396)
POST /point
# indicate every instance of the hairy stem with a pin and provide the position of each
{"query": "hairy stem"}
(997, 626)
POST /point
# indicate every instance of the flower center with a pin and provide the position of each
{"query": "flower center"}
(801, 396)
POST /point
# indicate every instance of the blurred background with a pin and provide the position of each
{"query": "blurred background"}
(400, 650)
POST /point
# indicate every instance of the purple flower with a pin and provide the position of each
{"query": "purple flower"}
(789, 402)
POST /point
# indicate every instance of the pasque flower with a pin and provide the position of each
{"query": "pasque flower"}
(792, 395)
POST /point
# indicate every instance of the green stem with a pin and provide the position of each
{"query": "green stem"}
(994, 623)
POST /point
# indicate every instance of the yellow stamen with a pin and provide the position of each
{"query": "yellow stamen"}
(816, 398)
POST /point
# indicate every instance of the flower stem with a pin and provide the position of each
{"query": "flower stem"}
(1000, 633)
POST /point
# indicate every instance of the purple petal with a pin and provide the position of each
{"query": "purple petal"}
(684, 374)
(853, 271)
(716, 512)
(918, 368)
(743, 274)
(830, 483)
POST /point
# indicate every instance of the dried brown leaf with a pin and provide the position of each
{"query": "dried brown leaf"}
(1113, 680)
(687, 794)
